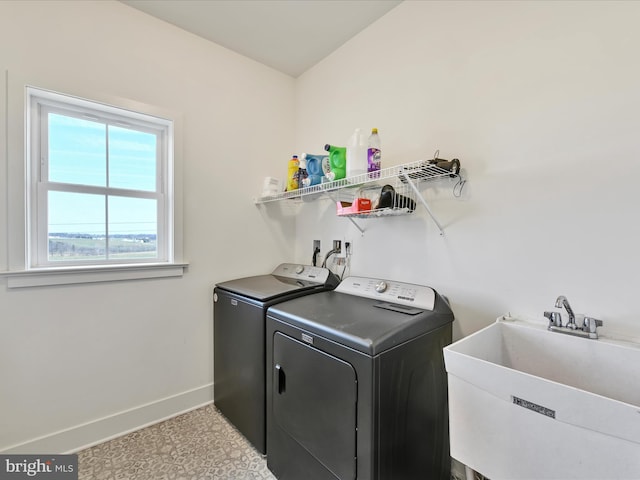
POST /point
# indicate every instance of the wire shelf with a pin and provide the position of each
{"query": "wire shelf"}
(416, 171)
(379, 212)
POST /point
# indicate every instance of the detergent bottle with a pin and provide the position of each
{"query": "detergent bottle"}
(374, 152)
(338, 161)
(356, 155)
(302, 172)
(315, 173)
(292, 174)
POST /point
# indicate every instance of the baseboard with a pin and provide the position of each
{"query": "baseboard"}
(86, 435)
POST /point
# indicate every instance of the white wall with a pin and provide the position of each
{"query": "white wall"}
(540, 102)
(135, 351)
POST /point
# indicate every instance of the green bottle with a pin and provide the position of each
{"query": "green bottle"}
(338, 161)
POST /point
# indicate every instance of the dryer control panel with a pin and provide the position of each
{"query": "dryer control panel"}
(417, 296)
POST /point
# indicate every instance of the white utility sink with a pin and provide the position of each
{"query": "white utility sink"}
(527, 403)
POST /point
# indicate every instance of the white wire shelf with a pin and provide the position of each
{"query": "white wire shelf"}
(379, 212)
(415, 171)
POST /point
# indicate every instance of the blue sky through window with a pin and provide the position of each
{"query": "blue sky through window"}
(77, 151)
(87, 152)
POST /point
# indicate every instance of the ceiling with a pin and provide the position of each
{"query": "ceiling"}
(288, 35)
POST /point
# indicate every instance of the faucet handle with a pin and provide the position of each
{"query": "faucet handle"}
(591, 325)
(555, 319)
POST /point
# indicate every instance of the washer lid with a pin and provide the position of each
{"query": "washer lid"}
(285, 279)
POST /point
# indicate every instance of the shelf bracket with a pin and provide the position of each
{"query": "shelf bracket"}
(422, 200)
(334, 199)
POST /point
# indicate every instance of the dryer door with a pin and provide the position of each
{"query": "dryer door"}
(314, 402)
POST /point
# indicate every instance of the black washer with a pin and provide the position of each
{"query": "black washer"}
(239, 340)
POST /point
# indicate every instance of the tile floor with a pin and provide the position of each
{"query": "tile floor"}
(198, 445)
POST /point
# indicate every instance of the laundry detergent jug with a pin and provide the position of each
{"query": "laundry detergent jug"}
(315, 174)
(338, 161)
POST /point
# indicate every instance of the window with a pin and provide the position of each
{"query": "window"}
(100, 184)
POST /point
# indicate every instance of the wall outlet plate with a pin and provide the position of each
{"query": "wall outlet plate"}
(343, 252)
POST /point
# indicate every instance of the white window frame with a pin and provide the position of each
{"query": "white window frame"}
(40, 103)
(15, 260)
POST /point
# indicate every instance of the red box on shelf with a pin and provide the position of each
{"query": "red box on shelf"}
(359, 205)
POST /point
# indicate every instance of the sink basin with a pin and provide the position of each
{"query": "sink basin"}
(527, 403)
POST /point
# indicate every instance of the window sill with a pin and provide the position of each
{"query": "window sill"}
(104, 273)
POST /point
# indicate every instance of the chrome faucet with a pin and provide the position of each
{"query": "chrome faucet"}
(589, 327)
(562, 301)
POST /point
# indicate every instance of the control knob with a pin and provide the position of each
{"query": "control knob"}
(381, 286)
(299, 269)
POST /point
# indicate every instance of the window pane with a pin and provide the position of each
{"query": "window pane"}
(132, 159)
(106, 176)
(77, 151)
(76, 226)
(133, 228)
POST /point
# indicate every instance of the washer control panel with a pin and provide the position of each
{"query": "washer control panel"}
(302, 272)
(418, 296)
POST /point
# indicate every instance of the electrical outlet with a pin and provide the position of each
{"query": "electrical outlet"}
(344, 248)
(337, 245)
(316, 245)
